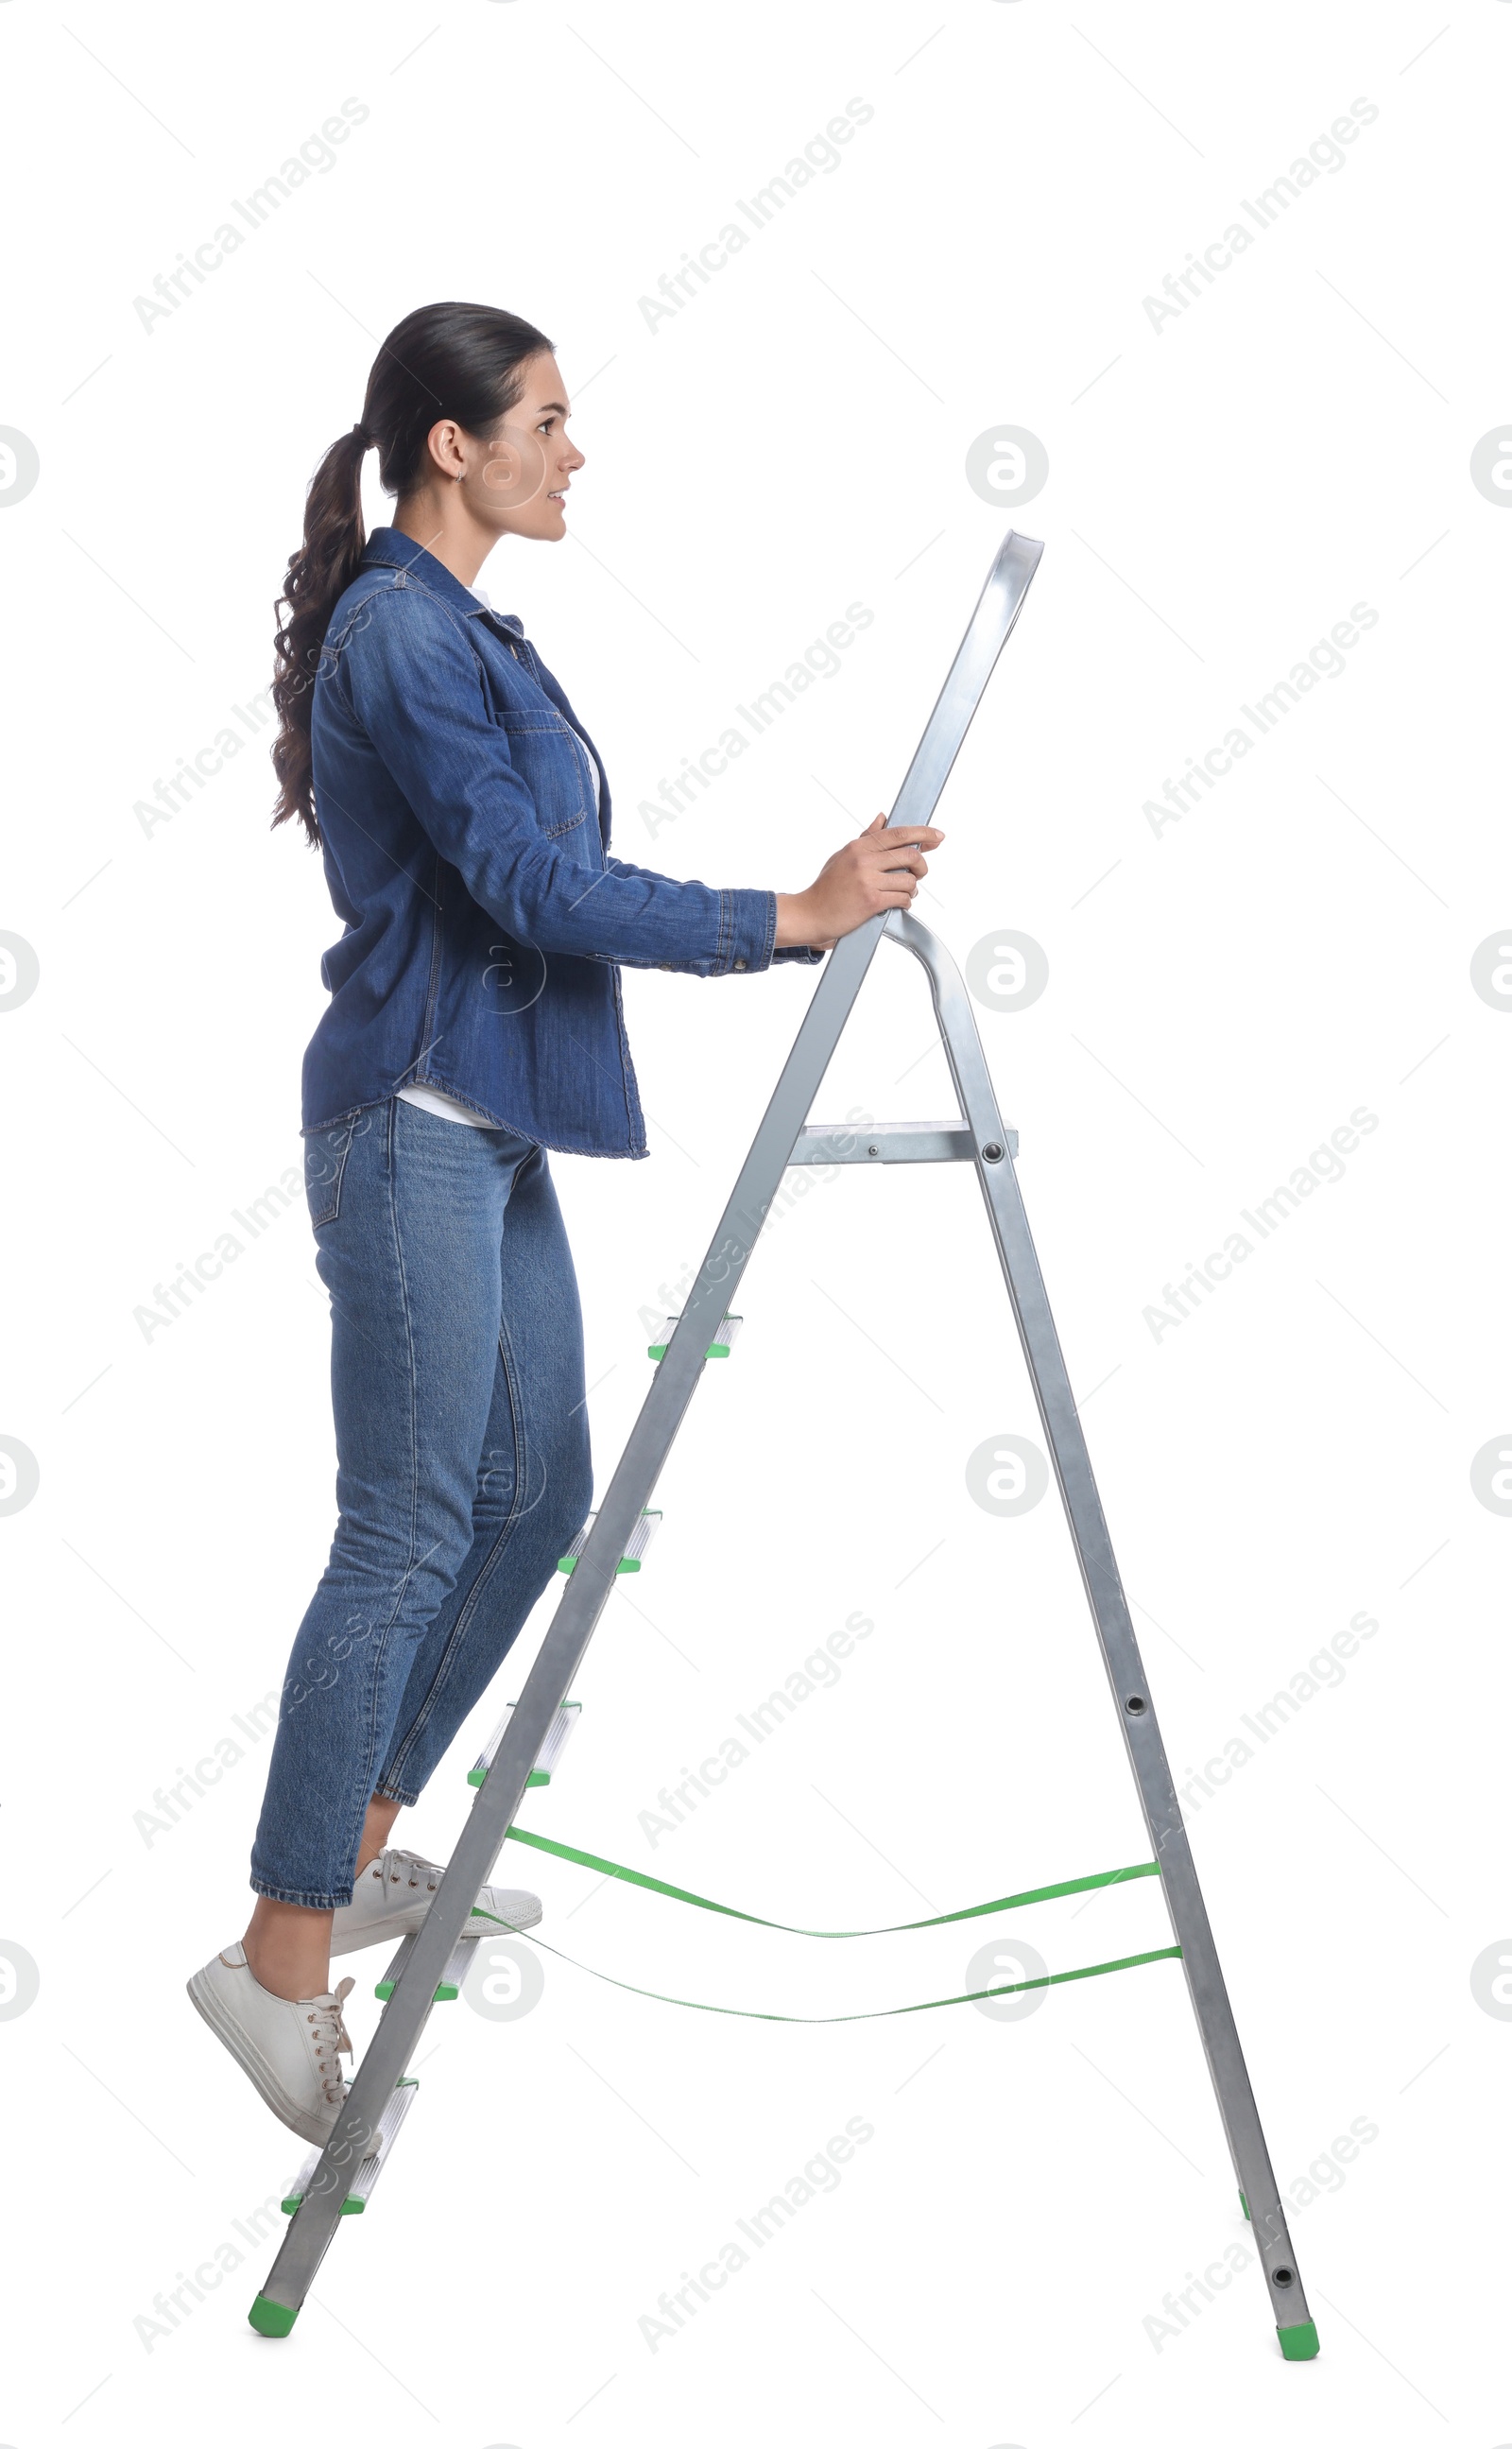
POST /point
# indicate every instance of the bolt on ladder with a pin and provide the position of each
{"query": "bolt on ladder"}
(431, 1964)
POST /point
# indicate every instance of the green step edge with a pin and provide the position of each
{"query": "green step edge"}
(1243, 2205)
(291, 2204)
(1299, 2342)
(714, 1352)
(537, 1777)
(273, 2321)
(625, 1565)
(444, 1990)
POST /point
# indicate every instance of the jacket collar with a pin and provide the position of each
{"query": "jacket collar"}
(387, 548)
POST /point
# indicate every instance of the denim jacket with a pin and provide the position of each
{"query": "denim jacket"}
(484, 919)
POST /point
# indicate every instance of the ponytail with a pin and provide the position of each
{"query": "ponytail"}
(442, 361)
(320, 571)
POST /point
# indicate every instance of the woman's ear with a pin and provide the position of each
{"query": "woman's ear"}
(444, 449)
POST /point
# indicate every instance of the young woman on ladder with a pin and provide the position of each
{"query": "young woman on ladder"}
(475, 1022)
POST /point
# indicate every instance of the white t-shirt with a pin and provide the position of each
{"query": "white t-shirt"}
(432, 1099)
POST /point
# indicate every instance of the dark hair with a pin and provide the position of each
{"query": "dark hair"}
(448, 360)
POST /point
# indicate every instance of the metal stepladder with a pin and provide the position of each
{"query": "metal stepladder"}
(428, 1965)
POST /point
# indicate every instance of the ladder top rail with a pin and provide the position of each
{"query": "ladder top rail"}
(987, 633)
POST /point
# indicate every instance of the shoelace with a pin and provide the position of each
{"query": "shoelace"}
(332, 2039)
(408, 1870)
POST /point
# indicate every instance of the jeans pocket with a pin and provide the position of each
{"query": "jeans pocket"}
(325, 1157)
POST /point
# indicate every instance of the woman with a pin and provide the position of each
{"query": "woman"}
(475, 1021)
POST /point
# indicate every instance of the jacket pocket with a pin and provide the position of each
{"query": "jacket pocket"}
(546, 755)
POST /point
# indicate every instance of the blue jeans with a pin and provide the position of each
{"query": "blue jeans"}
(463, 1466)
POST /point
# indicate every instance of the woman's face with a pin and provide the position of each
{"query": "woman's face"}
(522, 472)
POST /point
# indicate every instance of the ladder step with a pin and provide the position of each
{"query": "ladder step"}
(719, 1350)
(360, 2192)
(547, 1758)
(452, 1978)
(634, 1547)
(893, 1144)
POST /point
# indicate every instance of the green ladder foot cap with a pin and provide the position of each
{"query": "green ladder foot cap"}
(273, 2321)
(1299, 2342)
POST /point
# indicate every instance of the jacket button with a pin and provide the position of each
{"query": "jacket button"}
(738, 965)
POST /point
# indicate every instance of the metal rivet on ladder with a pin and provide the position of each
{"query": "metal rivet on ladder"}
(991, 1152)
(872, 1150)
(1282, 2277)
(1134, 1706)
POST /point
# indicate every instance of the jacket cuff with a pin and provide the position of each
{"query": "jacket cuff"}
(748, 928)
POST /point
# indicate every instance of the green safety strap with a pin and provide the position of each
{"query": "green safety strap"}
(872, 2014)
(966, 1913)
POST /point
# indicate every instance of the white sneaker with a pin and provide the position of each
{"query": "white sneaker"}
(393, 1895)
(290, 2047)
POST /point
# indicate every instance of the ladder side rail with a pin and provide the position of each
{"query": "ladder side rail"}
(1115, 1628)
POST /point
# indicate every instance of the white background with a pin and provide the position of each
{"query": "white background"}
(1221, 995)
